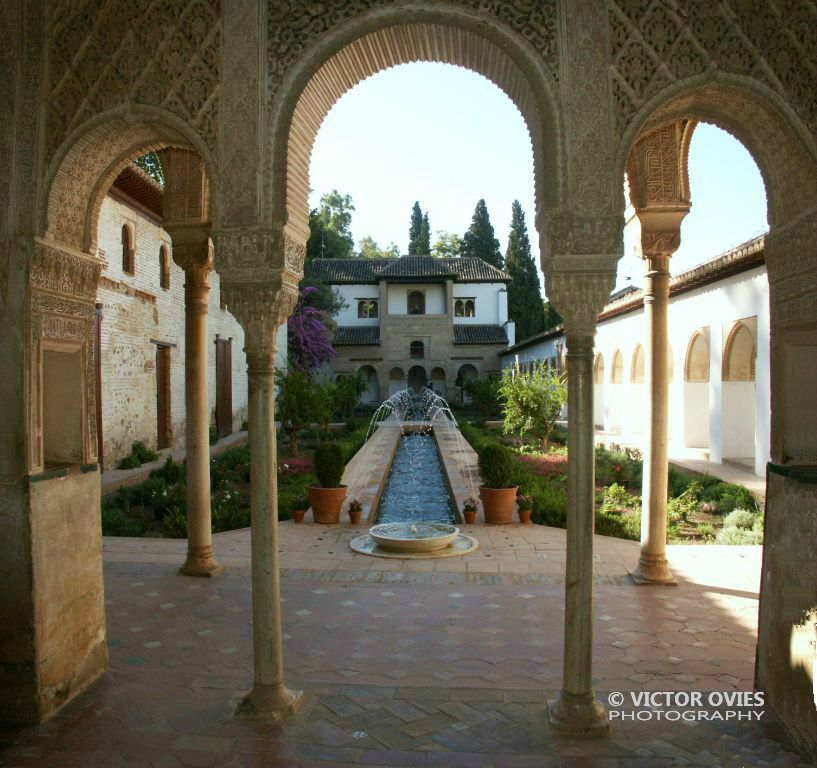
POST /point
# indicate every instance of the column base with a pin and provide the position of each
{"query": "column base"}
(653, 571)
(200, 562)
(577, 715)
(269, 702)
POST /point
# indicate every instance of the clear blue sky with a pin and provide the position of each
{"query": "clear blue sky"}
(447, 137)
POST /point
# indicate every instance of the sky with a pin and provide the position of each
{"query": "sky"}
(447, 137)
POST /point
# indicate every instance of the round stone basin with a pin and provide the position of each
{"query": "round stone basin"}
(413, 537)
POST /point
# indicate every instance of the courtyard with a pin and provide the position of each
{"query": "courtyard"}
(443, 662)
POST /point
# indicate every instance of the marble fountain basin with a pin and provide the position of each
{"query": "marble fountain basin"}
(414, 537)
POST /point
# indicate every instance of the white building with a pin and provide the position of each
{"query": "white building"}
(417, 320)
(719, 360)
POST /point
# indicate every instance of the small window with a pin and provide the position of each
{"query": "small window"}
(465, 308)
(367, 309)
(416, 303)
(128, 251)
(164, 268)
(417, 350)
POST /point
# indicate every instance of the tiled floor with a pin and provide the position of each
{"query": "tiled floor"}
(425, 663)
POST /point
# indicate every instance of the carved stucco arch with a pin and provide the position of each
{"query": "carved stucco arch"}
(383, 38)
(88, 162)
(784, 150)
(697, 339)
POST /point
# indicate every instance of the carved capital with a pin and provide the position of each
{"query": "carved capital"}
(247, 255)
(580, 288)
(260, 308)
(589, 236)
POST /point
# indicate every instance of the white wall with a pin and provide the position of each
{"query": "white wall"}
(398, 296)
(351, 294)
(136, 311)
(486, 296)
(729, 414)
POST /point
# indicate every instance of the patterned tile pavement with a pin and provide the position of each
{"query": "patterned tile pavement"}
(448, 665)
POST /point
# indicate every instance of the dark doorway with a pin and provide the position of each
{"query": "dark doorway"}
(164, 435)
(224, 386)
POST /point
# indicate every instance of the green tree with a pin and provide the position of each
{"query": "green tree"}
(533, 399)
(369, 249)
(330, 228)
(424, 238)
(346, 394)
(524, 294)
(552, 317)
(297, 404)
(447, 245)
(479, 241)
(484, 394)
(415, 229)
(151, 165)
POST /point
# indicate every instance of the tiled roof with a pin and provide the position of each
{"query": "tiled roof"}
(479, 334)
(356, 271)
(357, 335)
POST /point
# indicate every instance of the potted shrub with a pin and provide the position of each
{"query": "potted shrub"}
(327, 497)
(299, 506)
(524, 507)
(355, 511)
(469, 510)
(497, 493)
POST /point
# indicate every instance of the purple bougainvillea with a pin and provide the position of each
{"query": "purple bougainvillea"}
(310, 344)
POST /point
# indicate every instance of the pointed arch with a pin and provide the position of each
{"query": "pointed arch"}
(696, 363)
(637, 365)
(617, 368)
(739, 354)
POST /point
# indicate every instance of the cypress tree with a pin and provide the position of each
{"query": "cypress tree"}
(424, 238)
(479, 240)
(524, 293)
(415, 229)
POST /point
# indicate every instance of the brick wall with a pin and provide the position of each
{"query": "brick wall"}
(137, 312)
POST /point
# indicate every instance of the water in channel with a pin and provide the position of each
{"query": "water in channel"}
(416, 488)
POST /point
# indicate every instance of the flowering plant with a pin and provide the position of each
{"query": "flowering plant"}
(470, 504)
(355, 506)
(524, 501)
(310, 344)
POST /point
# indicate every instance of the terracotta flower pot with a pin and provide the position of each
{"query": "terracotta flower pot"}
(355, 515)
(498, 504)
(326, 503)
(470, 516)
(298, 515)
(524, 515)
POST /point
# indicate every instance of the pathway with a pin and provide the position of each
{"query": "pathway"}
(408, 663)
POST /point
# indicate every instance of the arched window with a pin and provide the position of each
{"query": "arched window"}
(417, 350)
(367, 308)
(465, 308)
(696, 369)
(128, 251)
(637, 370)
(617, 369)
(416, 303)
(598, 369)
(164, 268)
(739, 355)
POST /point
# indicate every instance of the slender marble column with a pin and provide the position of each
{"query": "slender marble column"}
(197, 264)
(652, 565)
(270, 698)
(577, 711)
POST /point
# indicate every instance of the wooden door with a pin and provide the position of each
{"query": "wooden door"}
(224, 386)
(163, 428)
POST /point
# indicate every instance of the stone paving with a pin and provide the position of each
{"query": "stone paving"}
(409, 663)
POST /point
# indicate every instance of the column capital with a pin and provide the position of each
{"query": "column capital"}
(191, 245)
(564, 233)
(580, 287)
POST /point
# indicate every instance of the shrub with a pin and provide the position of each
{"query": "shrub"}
(213, 435)
(329, 464)
(738, 536)
(550, 505)
(622, 524)
(558, 435)
(139, 454)
(618, 498)
(496, 466)
(484, 394)
(116, 523)
(171, 471)
(706, 531)
(175, 523)
(740, 518)
(533, 399)
(228, 513)
(680, 508)
(171, 498)
(129, 462)
(733, 496)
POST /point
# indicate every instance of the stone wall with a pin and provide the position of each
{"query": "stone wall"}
(137, 313)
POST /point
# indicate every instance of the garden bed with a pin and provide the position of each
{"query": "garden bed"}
(701, 508)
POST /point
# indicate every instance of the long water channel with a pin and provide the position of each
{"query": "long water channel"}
(416, 489)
